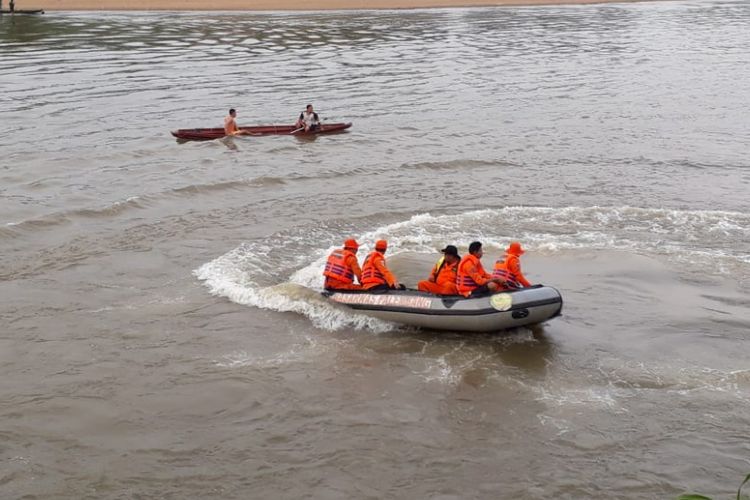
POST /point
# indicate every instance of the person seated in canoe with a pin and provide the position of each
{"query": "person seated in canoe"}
(342, 267)
(308, 120)
(230, 124)
(375, 272)
(442, 280)
(508, 268)
(472, 279)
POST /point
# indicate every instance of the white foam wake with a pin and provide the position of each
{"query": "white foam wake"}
(227, 277)
(282, 274)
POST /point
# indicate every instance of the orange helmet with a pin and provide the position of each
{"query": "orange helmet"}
(351, 243)
(381, 245)
(515, 248)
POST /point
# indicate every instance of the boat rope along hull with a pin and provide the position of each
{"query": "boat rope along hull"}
(489, 313)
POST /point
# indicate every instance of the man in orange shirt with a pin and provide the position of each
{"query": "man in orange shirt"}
(442, 280)
(472, 279)
(342, 267)
(375, 273)
(230, 124)
(508, 268)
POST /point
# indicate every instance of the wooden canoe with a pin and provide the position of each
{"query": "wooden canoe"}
(207, 134)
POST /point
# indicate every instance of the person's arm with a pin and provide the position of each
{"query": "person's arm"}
(478, 274)
(389, 277)
(351, 261)
(435, 271)
(514, 266)
(433, 275)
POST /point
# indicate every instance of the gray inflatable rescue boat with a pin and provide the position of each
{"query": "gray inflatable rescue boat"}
(488, 313)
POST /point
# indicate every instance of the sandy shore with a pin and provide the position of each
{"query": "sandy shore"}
(52, 5)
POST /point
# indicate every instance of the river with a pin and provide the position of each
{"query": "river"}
(162, 335)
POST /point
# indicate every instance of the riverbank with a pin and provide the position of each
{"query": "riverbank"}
(220, 5)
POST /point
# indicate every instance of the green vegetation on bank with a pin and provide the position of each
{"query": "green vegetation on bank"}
(694, 496)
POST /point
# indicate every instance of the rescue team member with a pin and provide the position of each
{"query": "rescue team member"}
(508, 268)
(472, 279)
(230, 124)
(442, 280)
(375, 273)
(342, 267)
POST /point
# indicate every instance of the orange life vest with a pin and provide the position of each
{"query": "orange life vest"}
(370, 274)
(337, 268)
(444, 273)
(465, 283)
(503, 272)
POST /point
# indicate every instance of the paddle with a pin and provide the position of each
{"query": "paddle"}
(320, 125)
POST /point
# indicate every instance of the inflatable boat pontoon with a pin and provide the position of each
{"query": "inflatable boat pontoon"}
(488, 313)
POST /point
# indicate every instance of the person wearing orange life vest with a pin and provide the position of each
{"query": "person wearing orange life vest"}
(375, 273)
(442, 280)
(342, 267)
(508, 268)
(471, 278)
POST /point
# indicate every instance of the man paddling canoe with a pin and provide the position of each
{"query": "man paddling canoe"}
(230, 124)
(308, 120)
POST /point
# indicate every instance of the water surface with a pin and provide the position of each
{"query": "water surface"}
(162, 333)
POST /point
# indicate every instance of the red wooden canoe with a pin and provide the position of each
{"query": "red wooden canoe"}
(206, 134)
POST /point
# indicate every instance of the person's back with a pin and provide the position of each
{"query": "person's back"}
(375, 273)
(230, 124)
(508, 268)
(342, 267)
